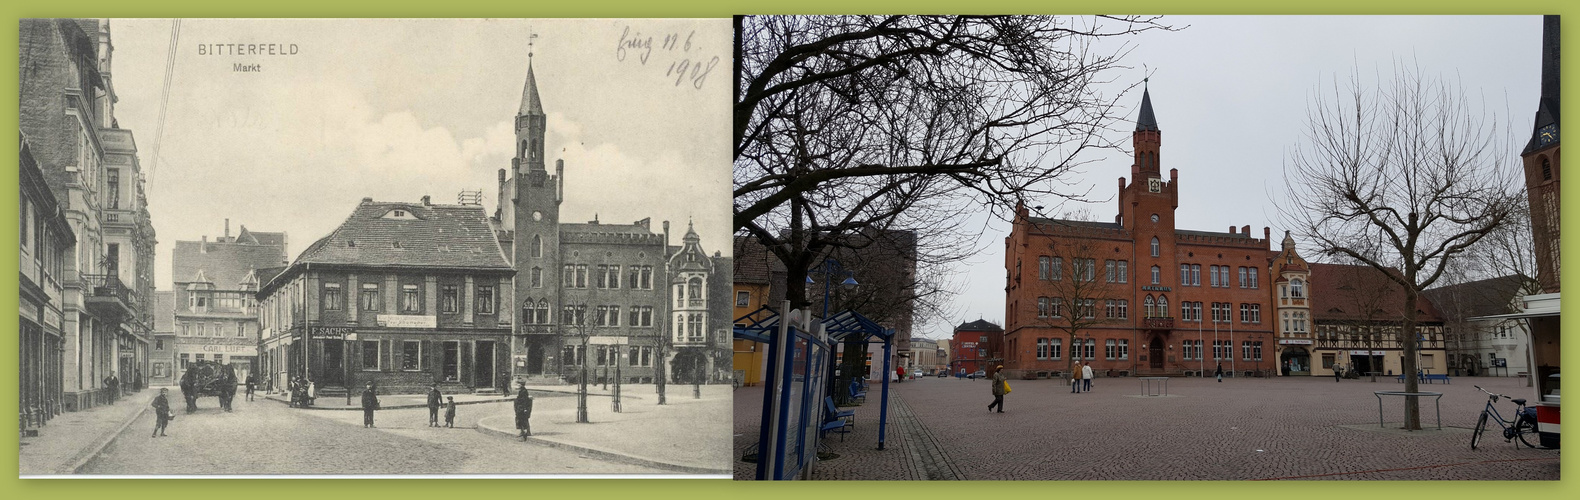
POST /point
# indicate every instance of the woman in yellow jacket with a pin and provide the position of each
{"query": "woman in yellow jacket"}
(1000, 388)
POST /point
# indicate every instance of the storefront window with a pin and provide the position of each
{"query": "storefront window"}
(370, 355)
(411, 359)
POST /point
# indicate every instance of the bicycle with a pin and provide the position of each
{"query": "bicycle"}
(1523, 424)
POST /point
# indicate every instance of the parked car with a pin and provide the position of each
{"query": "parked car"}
(943, 374)
(980, 374)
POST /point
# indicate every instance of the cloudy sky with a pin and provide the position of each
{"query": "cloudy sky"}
(1231, 95)
(398, 109)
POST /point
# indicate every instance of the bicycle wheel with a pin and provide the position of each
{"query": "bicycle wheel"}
(1526, 431)
(1475, 435)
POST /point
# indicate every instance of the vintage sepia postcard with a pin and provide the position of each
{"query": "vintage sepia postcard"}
(317, 247)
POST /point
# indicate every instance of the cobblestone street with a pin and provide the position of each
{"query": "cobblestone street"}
(267, 437)
(1277, 428)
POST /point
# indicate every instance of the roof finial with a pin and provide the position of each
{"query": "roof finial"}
(530, 37)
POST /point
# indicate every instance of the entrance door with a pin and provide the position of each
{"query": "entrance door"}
(452, 361)
(483, 364)
(1155, 352)
(334, 364)
(535, 358)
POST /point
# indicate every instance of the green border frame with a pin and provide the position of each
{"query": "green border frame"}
(165, 489)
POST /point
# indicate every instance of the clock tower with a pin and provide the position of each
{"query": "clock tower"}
(535, 198)
(1146, 205)
(1541, 157)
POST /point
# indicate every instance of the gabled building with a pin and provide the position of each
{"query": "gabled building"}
(400, 295)
(162, 367)
(1479, 343)
(1292, 313)
(1356, 315)
(976, 345)
(753, 287)
(216, 307)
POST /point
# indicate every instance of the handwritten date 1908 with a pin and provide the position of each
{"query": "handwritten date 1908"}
(695, 71)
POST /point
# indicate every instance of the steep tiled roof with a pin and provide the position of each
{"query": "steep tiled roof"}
(1477, 298)
(1146, 120)
(224, 264)
(1341, 292)
(1074, 223)
(429, 236)
(591, 227)
(980, 325)
(752, 261)
(530, 103)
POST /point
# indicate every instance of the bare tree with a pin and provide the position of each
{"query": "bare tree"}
(1405, 176)
(1073, 289)
(909, 122)
(1364, 296)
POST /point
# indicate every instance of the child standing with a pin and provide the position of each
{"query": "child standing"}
(449, 412)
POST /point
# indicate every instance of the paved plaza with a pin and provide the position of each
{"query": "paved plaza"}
(266, 437)
(1240, 429)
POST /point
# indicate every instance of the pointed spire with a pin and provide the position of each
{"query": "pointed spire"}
(691, 233)
(1146, 121)
(530, 104)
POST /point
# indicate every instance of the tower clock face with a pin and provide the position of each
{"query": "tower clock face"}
(537, 215)
(1154, 185)
(1547, 135)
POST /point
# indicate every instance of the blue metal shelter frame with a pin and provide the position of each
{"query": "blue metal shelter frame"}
(798, 361)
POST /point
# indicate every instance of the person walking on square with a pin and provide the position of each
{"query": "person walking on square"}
(1075, 378)
(523, 410)
(434, 400)
(1086, 377)
(1336, 369)
(1219, 373)
(161, 406)
(1000, 388)
(252, 384)
(370, 402)
(449, 412)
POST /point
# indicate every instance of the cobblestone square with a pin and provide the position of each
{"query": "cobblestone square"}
(1240, 429)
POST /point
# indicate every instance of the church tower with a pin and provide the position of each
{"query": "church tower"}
(535, 196)
(1541, 164)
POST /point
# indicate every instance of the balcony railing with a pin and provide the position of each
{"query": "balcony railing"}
(109, 286)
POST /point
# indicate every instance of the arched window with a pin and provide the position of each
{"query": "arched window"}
(1163, 305)
(1155, 248)
(1547, 169)
(694, 287)
(543, 311)
(1150, 306)
(1295, 289)
(1157, 275)
(537, 246)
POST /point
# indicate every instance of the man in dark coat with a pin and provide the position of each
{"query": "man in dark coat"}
(434, 400)
(114, 385)
(161, 406)
(523, 410)
(370, 402)
(252, 383)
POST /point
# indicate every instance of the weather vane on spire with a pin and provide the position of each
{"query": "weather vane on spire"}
(530, 37)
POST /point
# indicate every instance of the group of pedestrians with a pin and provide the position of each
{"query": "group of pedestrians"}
(1080, 381)
(1081, 378)
(437, 400)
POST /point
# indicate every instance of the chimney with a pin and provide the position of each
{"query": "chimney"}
(425, 201)
(666, 237)
(203, 247)
(1246, 231)
(227, 229)
(1231, 230)
(367, 199)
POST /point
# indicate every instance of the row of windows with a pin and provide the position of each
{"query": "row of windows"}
(187, 359)
(216, 329)
(605, 355)
(1223, 349)
(1295, 322)
(1295, 290)
(1113, 349)
(689, 327)
(605, 276)
(1053, 307)
(410, 298)
(1221, 312)
(1052, 269)
(1217, 276)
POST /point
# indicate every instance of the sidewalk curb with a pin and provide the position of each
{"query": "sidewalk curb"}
(504, 399)
(93, 452)
(602, 453)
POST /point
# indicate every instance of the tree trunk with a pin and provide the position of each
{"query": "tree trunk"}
(1412, 404)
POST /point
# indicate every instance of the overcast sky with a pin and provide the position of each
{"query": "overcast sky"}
(1231, 95)
(398, 109)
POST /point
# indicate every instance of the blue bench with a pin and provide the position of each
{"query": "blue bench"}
(1429, 378)
(857, 391)
(833, 412)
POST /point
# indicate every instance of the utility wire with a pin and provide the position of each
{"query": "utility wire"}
(164, 94)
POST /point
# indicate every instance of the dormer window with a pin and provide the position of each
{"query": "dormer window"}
(400, 214)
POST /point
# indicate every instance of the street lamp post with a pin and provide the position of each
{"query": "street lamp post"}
(581, 392)
(617, 355)
(830, 269)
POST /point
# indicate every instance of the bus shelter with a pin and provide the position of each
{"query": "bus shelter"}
(800, 360)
